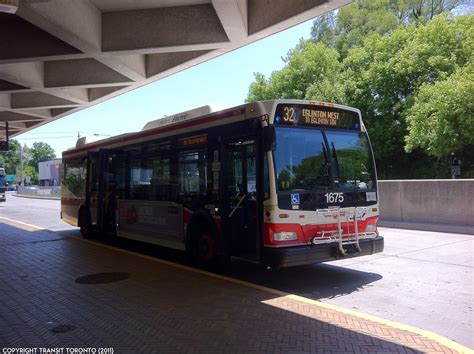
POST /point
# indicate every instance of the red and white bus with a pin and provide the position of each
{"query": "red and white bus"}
(281, 182)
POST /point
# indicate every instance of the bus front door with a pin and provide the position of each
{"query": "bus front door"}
(92, 189)
(239, 195)
(99, 191)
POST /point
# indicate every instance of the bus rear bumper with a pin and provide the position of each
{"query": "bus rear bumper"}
(301, 255)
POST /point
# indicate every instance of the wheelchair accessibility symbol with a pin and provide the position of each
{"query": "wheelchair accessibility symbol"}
(295, 199)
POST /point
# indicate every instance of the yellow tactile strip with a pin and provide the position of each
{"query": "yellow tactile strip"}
(309, 325)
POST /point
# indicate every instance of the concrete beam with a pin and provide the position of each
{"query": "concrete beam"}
(269, 16)
(160, 28)
(132, 66)
(6, 116)
(98, 92)
(11, 130)
(6, 86)
(24, 74)
(73, 94)
(97, 49)
(58, 111)
(77, 23)
(35, 100)
(233, 16)
(159, 63)
(5, 100)
(35, 113)
(17, 125)
(16, 32)
(81, 72)
(31, 75)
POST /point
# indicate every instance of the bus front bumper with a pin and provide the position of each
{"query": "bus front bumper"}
(301, 255)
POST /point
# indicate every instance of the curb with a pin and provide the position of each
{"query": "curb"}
(34, 197)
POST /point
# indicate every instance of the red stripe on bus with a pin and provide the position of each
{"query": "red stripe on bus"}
(218, 222)
(71, 201)
(187, 215)
(78, 201)
(155, 131)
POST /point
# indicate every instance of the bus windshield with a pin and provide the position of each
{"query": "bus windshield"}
(313, 159)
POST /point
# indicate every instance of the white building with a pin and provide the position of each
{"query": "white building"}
(48, 172)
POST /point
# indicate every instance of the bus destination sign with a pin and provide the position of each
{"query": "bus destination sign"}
(193, 140)
(313, 115)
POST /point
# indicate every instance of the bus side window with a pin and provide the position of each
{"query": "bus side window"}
(192, 174)
(74, 182)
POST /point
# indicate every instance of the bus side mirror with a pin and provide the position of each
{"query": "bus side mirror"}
(269, 138)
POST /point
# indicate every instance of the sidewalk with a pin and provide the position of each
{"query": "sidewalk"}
(60, 292)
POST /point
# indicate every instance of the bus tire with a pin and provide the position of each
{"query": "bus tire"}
(203, 246)
(85, 223)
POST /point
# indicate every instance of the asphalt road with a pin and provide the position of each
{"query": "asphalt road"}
(423, 279)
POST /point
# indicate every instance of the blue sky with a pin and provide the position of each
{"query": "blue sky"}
(224, 80)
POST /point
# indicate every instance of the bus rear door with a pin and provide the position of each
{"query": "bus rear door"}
(239, 197)
(100, 190)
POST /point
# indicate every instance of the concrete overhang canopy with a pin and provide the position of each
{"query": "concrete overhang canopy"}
(61, 56)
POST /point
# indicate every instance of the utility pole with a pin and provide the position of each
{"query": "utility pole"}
(21, 164)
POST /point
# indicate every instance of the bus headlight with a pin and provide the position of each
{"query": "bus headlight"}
(371, 228)
(285, 236)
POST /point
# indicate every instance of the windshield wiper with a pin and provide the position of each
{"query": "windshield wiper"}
(325, 154)
(334, 155)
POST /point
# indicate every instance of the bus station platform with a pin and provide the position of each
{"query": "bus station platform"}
(59, 292)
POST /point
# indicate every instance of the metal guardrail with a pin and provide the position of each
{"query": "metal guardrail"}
(51, 191)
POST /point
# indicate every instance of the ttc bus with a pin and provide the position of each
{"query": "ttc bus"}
(281, 183)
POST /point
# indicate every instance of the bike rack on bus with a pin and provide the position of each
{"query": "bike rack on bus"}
(354, 214)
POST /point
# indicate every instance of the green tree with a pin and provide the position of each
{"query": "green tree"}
(384, 78)
(11, 159)
(390, 78)
(353, 23)
(311, 72)
(31, 172)
(40, 152)
(441, 120)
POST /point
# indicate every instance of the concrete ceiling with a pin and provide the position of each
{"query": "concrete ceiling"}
(61, 56)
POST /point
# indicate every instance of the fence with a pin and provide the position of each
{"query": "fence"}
(37, 191)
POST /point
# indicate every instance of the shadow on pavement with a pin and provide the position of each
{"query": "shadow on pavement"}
(319, 281)
(158, 307)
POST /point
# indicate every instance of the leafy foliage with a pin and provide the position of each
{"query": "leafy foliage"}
(40, 152)
(355, 22)
(384, 78)
(409, 72)
(11, 159)
(441, 120)
(31, 156)
(311, 71)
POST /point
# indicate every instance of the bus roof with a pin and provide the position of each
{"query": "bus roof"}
(208, 114)
(178, 117)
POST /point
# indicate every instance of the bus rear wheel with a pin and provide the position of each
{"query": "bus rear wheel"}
(85, 224)
(204, 248)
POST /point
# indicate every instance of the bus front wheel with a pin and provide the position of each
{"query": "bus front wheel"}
(85, 223)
